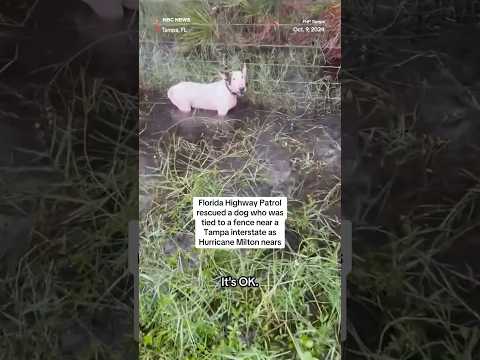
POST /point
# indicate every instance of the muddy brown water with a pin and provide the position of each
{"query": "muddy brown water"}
(320, 134)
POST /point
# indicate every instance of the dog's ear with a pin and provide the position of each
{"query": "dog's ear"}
(222, 75)
(244, 71)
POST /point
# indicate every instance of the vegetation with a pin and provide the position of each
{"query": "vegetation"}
(294, 314)
(284, 78)
(79, 201)
(414, 285)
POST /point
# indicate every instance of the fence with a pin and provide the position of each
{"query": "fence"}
(330, 86)
(246, 45)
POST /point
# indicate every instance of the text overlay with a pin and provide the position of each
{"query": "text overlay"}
(240, 222)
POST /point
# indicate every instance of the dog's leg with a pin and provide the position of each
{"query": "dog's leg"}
(182, 106)
(222, 112)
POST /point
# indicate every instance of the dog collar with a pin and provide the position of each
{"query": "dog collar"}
(230, 90)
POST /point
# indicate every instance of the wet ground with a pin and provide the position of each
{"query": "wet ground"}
(290, 171)
(318, 134)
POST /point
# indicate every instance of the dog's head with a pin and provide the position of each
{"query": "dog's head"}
(236, 81)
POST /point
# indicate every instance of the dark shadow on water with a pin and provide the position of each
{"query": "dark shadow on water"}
(193, 126)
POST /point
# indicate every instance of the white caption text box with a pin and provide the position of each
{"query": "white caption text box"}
(240, 222)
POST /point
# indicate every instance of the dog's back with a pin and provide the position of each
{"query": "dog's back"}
(213, 96)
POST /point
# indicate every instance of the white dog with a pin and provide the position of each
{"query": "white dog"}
(220, 96)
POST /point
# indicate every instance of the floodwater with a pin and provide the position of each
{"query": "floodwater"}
(319, 134)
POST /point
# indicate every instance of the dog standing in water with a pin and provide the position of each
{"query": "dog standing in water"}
(220, 96)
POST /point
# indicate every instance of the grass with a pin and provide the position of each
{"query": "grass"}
(413, 281)
(79, 211)
(293, 314)
(271, 84)
(287, 79)
(185, 316)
